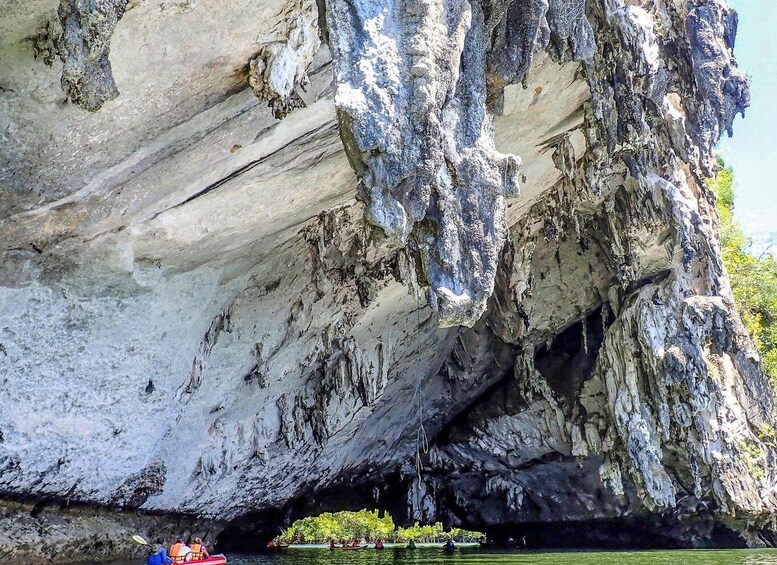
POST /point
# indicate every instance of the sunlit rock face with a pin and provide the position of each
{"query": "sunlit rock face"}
(258, 256)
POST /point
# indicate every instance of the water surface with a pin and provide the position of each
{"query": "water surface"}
(477, 556)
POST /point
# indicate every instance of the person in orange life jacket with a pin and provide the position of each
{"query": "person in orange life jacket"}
(199, 551)
(157, 555)
(180, 552)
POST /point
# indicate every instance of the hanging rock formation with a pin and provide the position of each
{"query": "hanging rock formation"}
(253, 253)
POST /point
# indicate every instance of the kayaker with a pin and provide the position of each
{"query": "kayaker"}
(180, 552)
(379, 544)
(449, 545)
(157, 555)
(411, 544)
(332, 544)
(199, 551)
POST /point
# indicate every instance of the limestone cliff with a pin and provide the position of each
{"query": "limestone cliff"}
(258, 256)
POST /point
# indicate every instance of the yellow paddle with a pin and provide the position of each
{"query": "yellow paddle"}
(139, 540)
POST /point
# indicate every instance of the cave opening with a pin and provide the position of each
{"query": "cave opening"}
(344, 527)
(369, 525)
(568, 361)
(632, 533)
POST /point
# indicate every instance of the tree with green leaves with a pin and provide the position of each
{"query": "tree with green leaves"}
(367, 524)
(753, 276)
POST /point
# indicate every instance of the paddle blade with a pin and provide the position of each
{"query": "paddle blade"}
(139, 540)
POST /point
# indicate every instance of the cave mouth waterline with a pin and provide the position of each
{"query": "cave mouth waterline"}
(649, 532)
(341, 526)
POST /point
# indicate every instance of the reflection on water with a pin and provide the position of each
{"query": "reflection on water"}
(477, 556)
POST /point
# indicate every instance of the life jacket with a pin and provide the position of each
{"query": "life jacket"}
(198, 551)
(176, 552)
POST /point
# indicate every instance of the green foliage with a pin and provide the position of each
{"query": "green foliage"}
(753, 278)
(366, 524)
(752, 458)
(339, 526)
(767, 435)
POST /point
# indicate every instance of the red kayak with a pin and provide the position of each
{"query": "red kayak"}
(218, 559)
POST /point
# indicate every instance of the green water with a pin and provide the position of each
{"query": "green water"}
(477, 556)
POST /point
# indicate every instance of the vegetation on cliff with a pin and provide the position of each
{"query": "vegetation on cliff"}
(753, 275)
(367, 524)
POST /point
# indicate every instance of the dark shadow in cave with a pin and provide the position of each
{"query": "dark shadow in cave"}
(252, 531)
(632, 533)
(568, 361)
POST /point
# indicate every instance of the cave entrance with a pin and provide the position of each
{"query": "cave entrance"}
(368, 525)
(347, 527)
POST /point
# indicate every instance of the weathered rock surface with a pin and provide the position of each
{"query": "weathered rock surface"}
(204, 312)
(31, 533)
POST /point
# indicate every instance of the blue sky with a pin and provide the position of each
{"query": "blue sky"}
(752, 152)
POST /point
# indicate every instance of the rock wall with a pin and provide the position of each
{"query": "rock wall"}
(63, 532)
(206, 312)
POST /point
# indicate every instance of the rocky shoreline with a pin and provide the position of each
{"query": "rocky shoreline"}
(60, 532)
